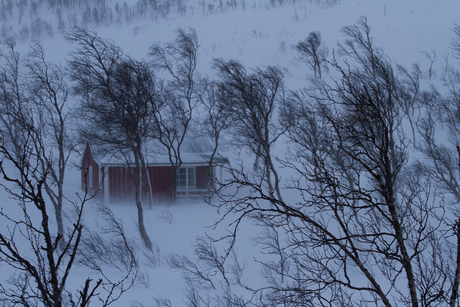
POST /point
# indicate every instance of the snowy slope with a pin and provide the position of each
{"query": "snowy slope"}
(257, 36)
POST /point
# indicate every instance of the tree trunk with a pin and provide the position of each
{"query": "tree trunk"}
(60, 224)
(277, 180)
(406, 260)
(270, 168)
(456, 283)
(210, 172)
(148, 186)
(455, 286)
(173, 184)
(56, 200)
(256, 161)
(140, 210)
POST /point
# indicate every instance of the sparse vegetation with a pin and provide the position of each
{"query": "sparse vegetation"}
(356, 207)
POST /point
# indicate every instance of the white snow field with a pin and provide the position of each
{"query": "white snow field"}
(257, 35)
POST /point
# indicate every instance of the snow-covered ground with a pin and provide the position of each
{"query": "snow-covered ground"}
(256, 36)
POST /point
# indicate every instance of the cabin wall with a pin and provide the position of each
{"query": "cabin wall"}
(121, 187)
(160, 180)
(121, 184)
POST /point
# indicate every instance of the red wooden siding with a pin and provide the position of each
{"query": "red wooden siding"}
(119, 181)
(122, 184)
(128, 187)
(160, 179)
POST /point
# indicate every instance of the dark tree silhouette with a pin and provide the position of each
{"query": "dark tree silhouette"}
(216, 119)
(29, 244)
(364, 225)
(253, 99)
(14, 102)
(34, 87)
(442, 156)
(172, 123)
(312, 53)
(47, 82)
(117, 95)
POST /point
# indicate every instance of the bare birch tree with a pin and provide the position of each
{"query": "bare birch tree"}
(50, 97)
(117, 94)
(364, 225)
(29, 244)
(439, 129)
(36, 88)
(312, 53)
(216, 119)
(253, 100)
(172, 123)
(14, 104)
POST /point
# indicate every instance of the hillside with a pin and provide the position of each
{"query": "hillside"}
(257, 34)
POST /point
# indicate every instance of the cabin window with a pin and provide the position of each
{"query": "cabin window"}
(186, 178)
(90, 177)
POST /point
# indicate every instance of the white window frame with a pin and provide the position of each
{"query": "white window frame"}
(189, 171)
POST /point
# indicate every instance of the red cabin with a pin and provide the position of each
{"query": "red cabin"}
(113, 180)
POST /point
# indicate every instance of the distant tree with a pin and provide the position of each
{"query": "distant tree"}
(14, 104)
(253, 99)
(60, 20)
(312, 53)
(36, 27)
(455, 44)
(172, 123)
(21, 5)
(117, 94)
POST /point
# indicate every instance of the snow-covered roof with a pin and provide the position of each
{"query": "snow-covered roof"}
(194, 150)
